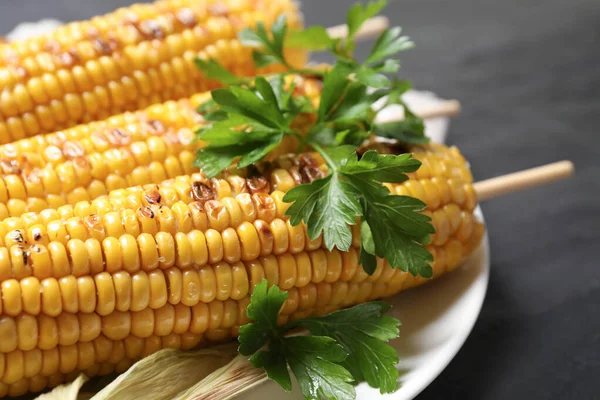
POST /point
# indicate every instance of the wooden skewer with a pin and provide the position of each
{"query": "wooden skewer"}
(505, 184)
(369, 30)
(529, 178)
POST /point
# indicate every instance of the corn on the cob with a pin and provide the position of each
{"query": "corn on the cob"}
(93, 300)
(126, 60)
(229, 219)
(91, 160)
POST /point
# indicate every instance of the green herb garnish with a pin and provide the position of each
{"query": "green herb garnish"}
(253, 118)
(346, 346)
(250, 117)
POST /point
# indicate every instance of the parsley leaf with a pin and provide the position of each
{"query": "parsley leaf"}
(358, 14)
(345, 347)
(367, 249)
(264, 307)
(213, 70)
(389, 43)
(274, 363)
(313, 360)
(381, 167)
(269, 49)
(362, 331)
(396, 226)
(327, 205)
(311, 38)
(335, 83)
(354, 189)
(250, 148)
(252, 103)
(409, 130)
(248, 122)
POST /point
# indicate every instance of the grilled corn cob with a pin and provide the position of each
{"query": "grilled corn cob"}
(126, 60)
(112, 268)
(87, 161)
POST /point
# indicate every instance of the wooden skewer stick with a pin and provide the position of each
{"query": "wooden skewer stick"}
(505, 184)
(369, 30)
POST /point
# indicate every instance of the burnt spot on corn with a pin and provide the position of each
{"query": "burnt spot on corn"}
(147, 212)
(81, 162)
(151, 29)
(218, 8)
(92, 32)
(214, 208)
(32, 175)
(264, 229)
(24, 254)
(52, 46)
(309, 174)
(37, 234)
(10, 167)
(202, 192)
(171, 137)
(263, 202)
(152, 197)
(105, 47)
(36, 248)
(186, 17)
(67, 59)
(306, 160)
(258, 184)
(238, 184)
(16, 236)
(118, 137)
(197, 207)
(296, 175)
(99, 138)
(156, 126)
(73, 149)
(94, 222)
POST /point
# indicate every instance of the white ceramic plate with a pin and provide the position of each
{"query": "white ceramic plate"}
(436, 320)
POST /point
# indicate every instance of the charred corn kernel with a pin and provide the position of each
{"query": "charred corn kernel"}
(82, 71)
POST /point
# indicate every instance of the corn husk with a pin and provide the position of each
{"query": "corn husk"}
(68, 391)
(166, 374)
(226, 382)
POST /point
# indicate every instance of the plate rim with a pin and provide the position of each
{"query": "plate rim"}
(447, 359)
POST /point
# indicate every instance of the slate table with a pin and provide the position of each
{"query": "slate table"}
(528, 75)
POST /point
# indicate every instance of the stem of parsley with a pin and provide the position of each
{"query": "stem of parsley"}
(323, 154)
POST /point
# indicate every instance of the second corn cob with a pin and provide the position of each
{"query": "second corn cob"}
(125, 61)
(87, 161)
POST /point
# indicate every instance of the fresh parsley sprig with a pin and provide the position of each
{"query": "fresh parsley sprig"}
(346, 346)
(250, 118)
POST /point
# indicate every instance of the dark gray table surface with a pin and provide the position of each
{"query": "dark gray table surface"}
(528, 75)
